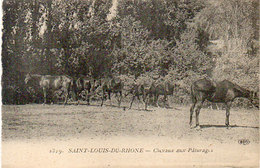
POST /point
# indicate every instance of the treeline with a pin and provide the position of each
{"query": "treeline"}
(178, 40)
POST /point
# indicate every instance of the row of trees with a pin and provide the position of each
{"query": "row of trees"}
(129, 38)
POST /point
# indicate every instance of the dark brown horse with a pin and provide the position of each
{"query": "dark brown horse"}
(163, 88)
(220, 92)
(50, 83)
(136, 91)
(152, 90)
(111, 85)
(145, 89)
(86, 84)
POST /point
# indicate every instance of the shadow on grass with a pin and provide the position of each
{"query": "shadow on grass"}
(224, 126)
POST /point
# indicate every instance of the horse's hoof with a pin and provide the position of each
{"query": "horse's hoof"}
(228, 127)
(197, 127)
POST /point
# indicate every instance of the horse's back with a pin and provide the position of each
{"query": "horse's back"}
(164, 87)
(56, 82)
(204, 85)
(222, 91)
(113, 84)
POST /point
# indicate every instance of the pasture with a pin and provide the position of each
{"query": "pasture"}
(59, 122)
(30, 131)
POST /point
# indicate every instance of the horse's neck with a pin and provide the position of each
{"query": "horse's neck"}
(241, 92)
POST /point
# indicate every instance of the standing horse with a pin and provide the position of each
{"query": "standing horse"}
(146, 89)
(164, 88)
(86, 84)
(50, 83)
(220, 92)
(111, 85)
(136, 91)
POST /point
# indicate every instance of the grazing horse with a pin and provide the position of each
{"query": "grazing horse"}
(86, 84)
(164, 88)
(136, 91)
(145, 89)
(50, 83)
(220, 92)
(111, 85)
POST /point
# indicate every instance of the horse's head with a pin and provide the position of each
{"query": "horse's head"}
(28, 77)
(254, 98)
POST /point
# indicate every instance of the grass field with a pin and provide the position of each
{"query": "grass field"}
(30, 131)
(34, 121)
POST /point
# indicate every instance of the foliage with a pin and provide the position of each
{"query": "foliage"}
(143, 40)
(235, 25)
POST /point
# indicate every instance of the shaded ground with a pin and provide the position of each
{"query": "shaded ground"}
(34, 121)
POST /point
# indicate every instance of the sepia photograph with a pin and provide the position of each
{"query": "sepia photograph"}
(130, 83)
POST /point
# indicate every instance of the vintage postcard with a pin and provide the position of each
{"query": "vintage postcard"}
(130, 83)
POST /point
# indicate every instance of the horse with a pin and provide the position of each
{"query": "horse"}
(218, 92)
(146, 89)
(49, 83)
(136, 91)
(111, 85)
(163, 88)
(86, 84)
(152, 89)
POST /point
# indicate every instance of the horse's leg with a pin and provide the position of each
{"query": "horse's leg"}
(228, 106)
(120, 98)
(156, 97)
(117, 98)
(109, 97)
(146, 98)
(66, 96)
(138, 102)
(88, 97)
(132, 102)
(44, 95)
(102, 99)
(76, 96)
(52, 96)
(165, 100)
(197, 110)
(191, 112)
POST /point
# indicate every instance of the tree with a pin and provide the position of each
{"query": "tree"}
(232, 24)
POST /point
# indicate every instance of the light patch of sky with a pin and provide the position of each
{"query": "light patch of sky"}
(113, 10)
(44, 25)
(43, 19)
(91, 9)
(111, 15)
